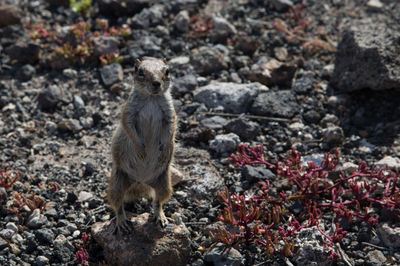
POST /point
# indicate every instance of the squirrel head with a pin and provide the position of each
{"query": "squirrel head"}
(152, 76)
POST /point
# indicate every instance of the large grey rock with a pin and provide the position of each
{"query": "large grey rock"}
(208, 60)
(367, 57)
(147, 245)
(235, 98)
(206, 179)
(111, 74)
(275, 103)
(225, 143)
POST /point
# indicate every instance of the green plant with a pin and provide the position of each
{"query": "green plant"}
(110, 58)
(82, 7)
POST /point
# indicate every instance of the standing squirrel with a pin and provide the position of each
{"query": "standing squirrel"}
(143, 143)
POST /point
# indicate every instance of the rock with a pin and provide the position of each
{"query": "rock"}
(206, 179)
(221, 29)
(332, 135)
(348, 167)
(36, 220)
(280, 5)
(311, 250)
(304, 85)
(329, 119)
(246, 44)
(3, 244)
(281, 53)
(184, 84)
(198, 134)
(235, 98)
(245, 129)
(145, 46)
(3, 195)
(367, 58)
(120, 8)
(182, 21)
(221, 255)
(389, 161)
(374, 4)
(84, 196)
(26, 72)
(49, 97)
(69, 125)
(208, 60)
(71, 197)
(44, 236)
(147, 244)
(179, 61)
(214, 122)
(312, 116)
(70, 73)
(41, 261)
(254, 174)
(104, 45)
(12, 226)
(112, 74)
(141, 20)
(225, 143)
(15, 249)
(271, 72)
(64, 3)
(25, 53)
(275, 103)
(376, 257)
(389, 235)
(63, 249)
(10, 15)
(7, 233)
(79, 104)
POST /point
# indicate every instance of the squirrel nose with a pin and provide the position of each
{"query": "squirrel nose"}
(156, 84)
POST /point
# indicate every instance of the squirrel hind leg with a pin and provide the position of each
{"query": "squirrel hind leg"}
(119, 185)
(163, 192)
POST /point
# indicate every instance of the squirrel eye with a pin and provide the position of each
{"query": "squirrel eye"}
(167, 72)
(140, 73)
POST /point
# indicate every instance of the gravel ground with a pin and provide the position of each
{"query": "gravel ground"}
(281, 73)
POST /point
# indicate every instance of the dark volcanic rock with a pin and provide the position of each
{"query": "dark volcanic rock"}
(148, 244)
(246, 130)
(122, 7)
(367, 57)
(49, 97)
(275, 103)
(24, 52)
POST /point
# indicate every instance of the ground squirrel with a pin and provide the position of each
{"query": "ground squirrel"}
(143, 143)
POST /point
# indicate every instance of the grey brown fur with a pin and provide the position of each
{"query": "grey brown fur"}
(143, 143)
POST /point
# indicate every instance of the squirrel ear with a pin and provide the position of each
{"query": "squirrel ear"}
(164, 60)
(137, 63)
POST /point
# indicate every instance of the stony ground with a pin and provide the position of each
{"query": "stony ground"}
(314, 75)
